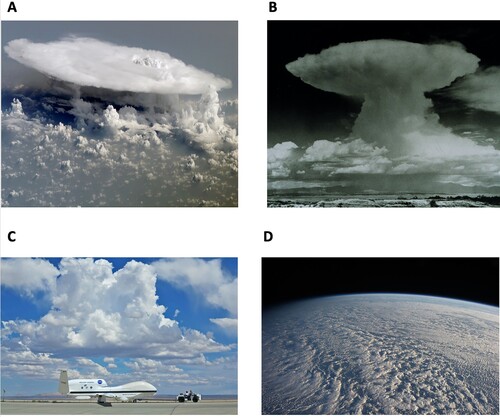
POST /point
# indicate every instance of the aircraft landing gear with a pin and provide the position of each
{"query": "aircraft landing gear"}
(101, 400)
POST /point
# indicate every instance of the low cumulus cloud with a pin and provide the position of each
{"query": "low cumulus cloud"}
(217, 374)
(92, 366)
(280, 157)
(477, 164)
(19, 361)
(94, 63)
(143, 364)
(355, 156)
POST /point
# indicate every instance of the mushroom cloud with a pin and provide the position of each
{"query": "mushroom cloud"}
(391, 78)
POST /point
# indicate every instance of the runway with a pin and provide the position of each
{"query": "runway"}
(213, 407)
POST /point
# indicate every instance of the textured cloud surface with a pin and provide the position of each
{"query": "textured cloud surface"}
(94, 63)
(381, 354)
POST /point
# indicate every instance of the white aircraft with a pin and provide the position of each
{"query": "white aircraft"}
(84, 389)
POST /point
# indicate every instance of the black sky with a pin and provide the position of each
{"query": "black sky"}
(302, 113)
(291, 279)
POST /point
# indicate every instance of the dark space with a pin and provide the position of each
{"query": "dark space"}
(291, 279)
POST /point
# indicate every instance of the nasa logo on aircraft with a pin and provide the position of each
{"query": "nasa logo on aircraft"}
(99, 381)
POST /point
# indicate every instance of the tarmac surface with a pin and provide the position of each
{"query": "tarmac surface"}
(204, 407)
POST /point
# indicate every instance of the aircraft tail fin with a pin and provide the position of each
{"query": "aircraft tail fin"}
(63, 382)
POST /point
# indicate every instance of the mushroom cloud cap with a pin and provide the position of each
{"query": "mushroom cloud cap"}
(93, 63)
(360, 68)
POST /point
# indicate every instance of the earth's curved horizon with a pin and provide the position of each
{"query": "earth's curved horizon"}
(381, 354)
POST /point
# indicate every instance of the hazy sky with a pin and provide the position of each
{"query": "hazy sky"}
(171, 322)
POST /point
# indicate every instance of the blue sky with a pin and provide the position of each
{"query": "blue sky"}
(171, 322)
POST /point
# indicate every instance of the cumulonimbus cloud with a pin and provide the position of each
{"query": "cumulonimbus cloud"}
(391, 78)
(97, 310)
(94, 63)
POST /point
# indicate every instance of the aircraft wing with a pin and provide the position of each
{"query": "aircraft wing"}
(119, 396)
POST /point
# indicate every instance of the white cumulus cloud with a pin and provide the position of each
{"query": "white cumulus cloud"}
(478, 165)
(18, 360)
(279, 158)
(124, 157)
(207, 279)
(98, 311)
(228, 324)
(28, 275)
(93, 367)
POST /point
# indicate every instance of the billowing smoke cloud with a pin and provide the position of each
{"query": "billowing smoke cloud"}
(93, 63)
(391, 78)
